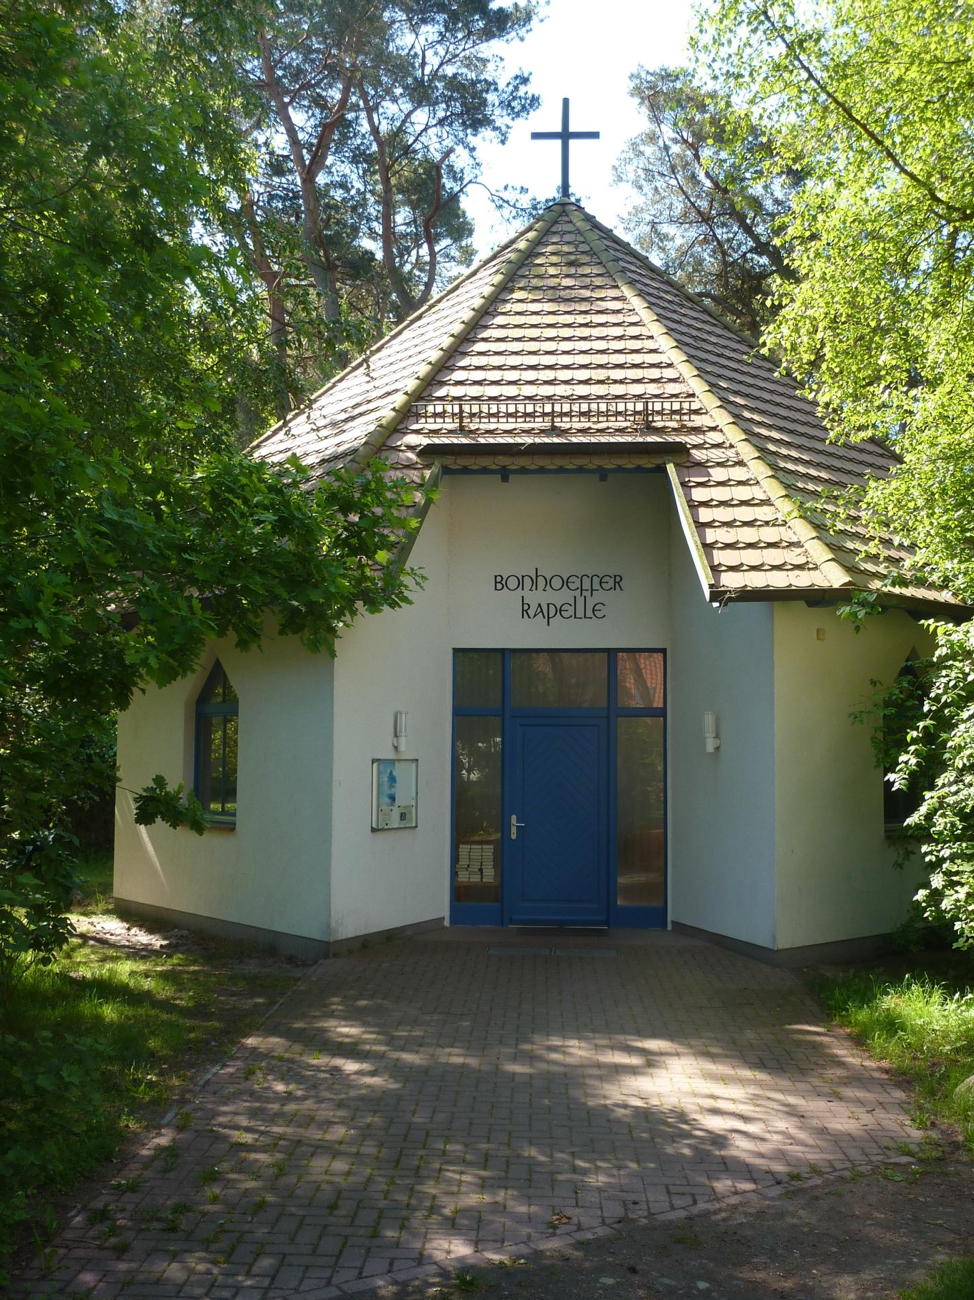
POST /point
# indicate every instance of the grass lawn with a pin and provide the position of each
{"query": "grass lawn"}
(952, 1281)
(100, 1045)
(921, 1021)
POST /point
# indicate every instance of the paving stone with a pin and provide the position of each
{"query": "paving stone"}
(534, 1088)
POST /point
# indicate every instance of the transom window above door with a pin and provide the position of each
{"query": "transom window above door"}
(559, 679)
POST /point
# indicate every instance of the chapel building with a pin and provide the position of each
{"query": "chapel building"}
(622, 697)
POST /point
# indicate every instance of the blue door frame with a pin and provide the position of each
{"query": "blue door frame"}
(512, 909)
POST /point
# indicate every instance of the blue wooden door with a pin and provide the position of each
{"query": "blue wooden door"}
(557, 872)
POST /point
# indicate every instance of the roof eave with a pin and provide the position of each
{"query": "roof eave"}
(659, 452)
(825, 596)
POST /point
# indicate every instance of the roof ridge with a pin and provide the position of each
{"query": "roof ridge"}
(410, 320)
(780, 371)
(528, 238)
(817, 550)
(674, 283)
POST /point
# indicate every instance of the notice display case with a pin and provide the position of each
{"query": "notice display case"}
(394, 786)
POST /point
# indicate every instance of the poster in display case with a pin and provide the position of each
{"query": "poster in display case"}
(394, 786)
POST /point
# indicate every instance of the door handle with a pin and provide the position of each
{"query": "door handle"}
(514, 825)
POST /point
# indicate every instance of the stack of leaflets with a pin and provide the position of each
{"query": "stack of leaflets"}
(475, 863)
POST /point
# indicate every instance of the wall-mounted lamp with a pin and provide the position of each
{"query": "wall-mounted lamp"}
(711, 741)
(399, 732)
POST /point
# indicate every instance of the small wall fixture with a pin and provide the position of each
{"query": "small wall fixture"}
(711, 741)
(399, 732)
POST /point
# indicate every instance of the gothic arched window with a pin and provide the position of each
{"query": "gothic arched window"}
(216, 747)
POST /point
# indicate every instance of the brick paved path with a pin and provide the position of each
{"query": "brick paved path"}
(430, 1099)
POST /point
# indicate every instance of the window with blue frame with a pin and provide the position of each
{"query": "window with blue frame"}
(217, 724)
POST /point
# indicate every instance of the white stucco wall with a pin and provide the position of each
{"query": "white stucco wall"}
(272, 870)
(403, 659)
(558, 523)
(399, 659)
(834, 874)
(722, 815)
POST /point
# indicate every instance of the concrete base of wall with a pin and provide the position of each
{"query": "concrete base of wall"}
(354, 942)
(812, 954)
(288, 945)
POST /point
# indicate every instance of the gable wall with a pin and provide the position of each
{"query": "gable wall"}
(564, 524)
(402, 659)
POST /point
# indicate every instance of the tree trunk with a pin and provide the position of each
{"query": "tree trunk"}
(307, 169)
(251, 243)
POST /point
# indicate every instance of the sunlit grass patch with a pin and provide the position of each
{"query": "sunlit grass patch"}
(951, 1281)
(924, 1026)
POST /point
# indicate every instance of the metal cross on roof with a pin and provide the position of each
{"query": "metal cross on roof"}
(564, 135)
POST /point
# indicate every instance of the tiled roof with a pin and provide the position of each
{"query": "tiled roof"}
(568, 315)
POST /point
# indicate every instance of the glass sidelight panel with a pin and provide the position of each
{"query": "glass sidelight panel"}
(640, 679)
(559, 679)
(640, 839)
(477, 815)
(479, 679)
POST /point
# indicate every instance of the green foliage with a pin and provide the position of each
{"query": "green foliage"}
(90, 817)
(942, 743)
(894, 714)
(53, 1120)
(36, 881)
(895, 711)
(159, 802)
(711, 193)
(922, 1023)
(923, 736)
(873, 101)
(132, 530)
(953, 1280)
(124, 313)
(919, 934)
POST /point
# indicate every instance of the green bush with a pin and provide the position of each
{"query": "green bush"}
(53, 1121)
(920, 934)
(37, 881)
